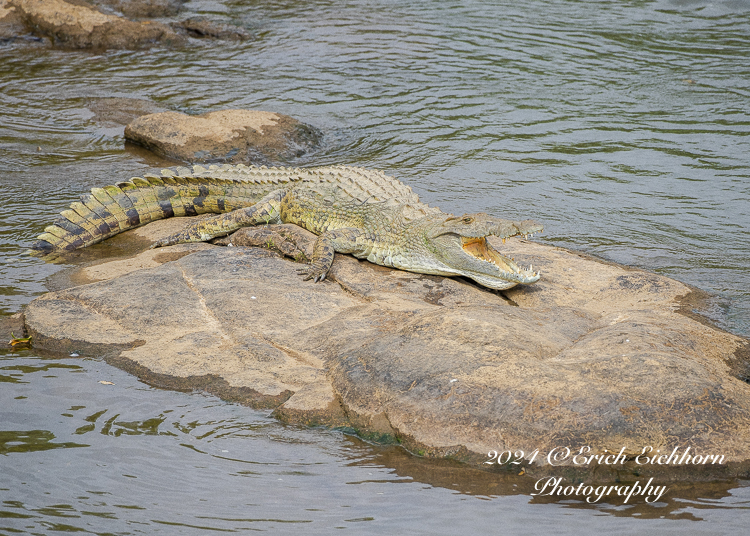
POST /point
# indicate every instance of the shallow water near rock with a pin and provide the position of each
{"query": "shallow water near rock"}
(622, 126)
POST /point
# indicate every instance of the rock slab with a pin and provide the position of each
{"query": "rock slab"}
(594, 354)
(75, 24)
(225, 136)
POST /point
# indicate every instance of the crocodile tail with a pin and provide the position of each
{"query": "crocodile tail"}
(108, 211)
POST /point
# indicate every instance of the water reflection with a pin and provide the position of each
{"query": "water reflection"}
(130, 455)
(31, 441)
(684, 500)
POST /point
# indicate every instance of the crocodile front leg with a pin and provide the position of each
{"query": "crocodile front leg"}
(265, 211)
(339, 240)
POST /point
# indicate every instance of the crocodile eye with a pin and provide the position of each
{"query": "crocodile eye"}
(468, 219)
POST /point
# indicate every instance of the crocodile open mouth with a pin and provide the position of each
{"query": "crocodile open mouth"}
(480, 249)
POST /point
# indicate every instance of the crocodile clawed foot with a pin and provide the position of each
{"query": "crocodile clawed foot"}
(190, 234)
(312, 272)
(177, 238)
(163, 242)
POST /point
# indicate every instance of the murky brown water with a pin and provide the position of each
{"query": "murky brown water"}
(623, 126)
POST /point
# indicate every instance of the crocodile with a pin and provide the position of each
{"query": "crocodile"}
(352, 210)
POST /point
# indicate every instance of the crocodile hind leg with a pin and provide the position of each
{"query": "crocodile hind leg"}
(339, 240)
(265, 211)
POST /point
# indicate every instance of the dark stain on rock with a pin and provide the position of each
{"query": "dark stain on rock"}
(208, 383)
(435, 293)
(639, 282)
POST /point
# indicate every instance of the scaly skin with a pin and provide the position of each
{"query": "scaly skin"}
(353, 210)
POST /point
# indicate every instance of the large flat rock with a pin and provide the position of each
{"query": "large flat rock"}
(594, 354)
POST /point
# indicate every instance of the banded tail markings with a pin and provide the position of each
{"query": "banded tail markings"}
(164, 201)
(112, 206)
(220, 192)
(199, 201)
(154, 196)
(47, 243)
(92, 217)
(212, 193)
(68, 241)
(93, 204)
(189, 191)
(73, 217)
(200, 195)
(163, 193)
(232, 195)
(148, 198)
(184, 199)
(119, 196)
(67, 221)
(172, 188)
(135, 195)
(131, 213)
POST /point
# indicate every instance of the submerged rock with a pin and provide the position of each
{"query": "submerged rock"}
(203, 28)
(119, 111)
(594, 354)
(77, 24)
(226, 136)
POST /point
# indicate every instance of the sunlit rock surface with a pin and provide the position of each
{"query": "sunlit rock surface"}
(232, 136)
(77, 24)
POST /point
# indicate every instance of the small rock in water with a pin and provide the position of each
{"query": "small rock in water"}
(232, 136)
(204, 28)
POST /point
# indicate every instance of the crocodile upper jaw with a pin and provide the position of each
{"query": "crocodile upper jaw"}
(499, 272)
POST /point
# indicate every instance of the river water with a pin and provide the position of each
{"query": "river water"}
(624, 126)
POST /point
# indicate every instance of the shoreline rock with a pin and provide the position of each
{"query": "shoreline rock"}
(11, 23)
(79, 24)
(594, 354)
(224, 136)
(75, 24)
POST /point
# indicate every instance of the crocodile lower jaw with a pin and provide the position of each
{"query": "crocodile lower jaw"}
(508, 274)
